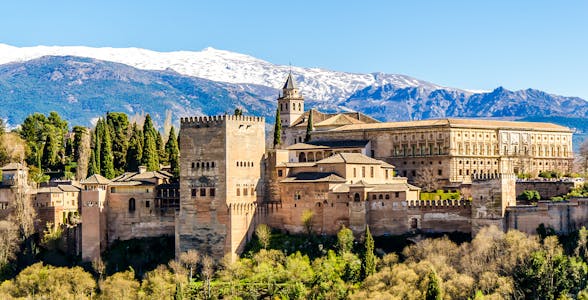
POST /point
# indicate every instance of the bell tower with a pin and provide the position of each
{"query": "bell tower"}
(290, 103)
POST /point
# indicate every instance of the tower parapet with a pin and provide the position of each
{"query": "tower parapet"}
(207, 120)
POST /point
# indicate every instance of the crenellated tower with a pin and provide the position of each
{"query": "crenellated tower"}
(290, 103)
(220, 183)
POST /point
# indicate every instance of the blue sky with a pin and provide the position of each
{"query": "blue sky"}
(465, 44)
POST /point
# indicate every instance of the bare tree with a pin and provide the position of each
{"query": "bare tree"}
(23, 213)
(84, 155)
(426, 180)
(100, 267)
(8, 242)
(307, 220)
(584, 155)
(207, 272)
(190, 259)
(264, 235)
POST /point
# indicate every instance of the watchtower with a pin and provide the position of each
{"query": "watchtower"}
(220, 183)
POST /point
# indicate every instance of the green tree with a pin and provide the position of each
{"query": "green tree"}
(48, 282)
(309, 127)
(173, 152)
(277, 129)
(107, 161)
(433, 291)
(308, 220)
(238, 112)
(345, 240)
(119, 128)
(121, 285)
(135, 150)
(3, 153)
(159, 284)
(163, 158)
(150, 157)
(369, 258)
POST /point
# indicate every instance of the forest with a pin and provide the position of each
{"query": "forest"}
(493, 265)
(115, 145)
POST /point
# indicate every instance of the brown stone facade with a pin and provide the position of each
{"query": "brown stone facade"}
(220, 183)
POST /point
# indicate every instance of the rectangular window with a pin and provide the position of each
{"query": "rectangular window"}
(397, 194)
(202, 192)
(238, 192)
(147, 204)
(252, 192)
(363, 172)
(372, 172)
(280, 173)
(212, 192)
(244, 191)
(439, 172)
(193, 192)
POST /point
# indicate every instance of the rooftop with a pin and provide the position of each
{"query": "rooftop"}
(13, 166)
(95, 179)
(315, 177)
(458, 123)
(350, 158)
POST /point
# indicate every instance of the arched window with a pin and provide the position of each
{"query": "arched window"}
(302, 157)
(356, 197)
(387, 197)
(132, 205)
(380, 197)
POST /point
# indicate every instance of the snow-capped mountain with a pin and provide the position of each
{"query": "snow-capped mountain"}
(82, 83)
(225, 66)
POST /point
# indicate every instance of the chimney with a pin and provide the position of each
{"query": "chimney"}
(142, 169)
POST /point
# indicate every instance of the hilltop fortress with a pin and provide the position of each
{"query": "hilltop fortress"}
(329, 170)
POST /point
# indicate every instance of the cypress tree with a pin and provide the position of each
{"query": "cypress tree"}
(308, 127)
(107, 167)
(135, 150)
(173, 153)
(163, 157)
(278, 129)
(433, 289)
(3, 153)
(150, 156)
(97, 144)
(369, 259)
(92, 168)
(119, 126)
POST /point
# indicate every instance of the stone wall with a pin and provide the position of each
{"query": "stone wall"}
(144, 221)
(546, 188)
(563, 217)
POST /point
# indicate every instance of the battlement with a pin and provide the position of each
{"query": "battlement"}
(492, 176)
(207, 120)
(450, 203)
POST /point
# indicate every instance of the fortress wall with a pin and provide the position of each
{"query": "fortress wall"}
(546, 189)
(563, 217)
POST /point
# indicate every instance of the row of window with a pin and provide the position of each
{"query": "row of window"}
(245, 191)
(422, 136)
(203, 165)
(247, 164)
(202, 192)
(132, 204)
(414, 150)
(384, 196)
(284, 107)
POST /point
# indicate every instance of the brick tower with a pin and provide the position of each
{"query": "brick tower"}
(220, 183)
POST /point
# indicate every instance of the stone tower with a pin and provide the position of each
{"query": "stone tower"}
(491, 195)
(291, 103)
(220, 183)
